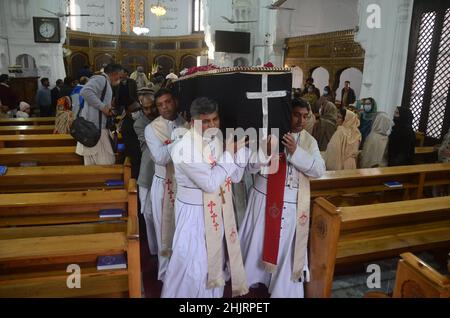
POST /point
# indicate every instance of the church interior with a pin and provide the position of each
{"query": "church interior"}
(94, 204)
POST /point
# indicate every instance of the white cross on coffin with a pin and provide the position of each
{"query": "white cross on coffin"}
(264, 96)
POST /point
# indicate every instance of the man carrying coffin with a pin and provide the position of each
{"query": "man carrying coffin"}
(158, 136)
(204, 210)
(274, 232)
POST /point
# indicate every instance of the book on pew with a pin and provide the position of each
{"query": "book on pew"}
(112, 213)
(111, 262)
(3, 170)
(393, 184)
(114, 183)
(29, 164)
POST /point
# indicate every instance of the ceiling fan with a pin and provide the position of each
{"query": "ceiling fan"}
(277, 5)
(234, 22)
(62, 15)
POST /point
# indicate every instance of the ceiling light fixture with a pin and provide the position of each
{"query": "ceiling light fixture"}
(158, 10)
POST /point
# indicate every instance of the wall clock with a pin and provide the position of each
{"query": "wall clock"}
(46, 30)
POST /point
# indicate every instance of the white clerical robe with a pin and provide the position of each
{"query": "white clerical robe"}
(186, 275)
(160, 154)
(310, 163)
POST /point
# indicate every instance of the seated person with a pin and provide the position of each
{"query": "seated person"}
(343, 147)
(64, 115)
(402, 141)
(326, 126)
(24, 110)
(374, 153)
(367, 107)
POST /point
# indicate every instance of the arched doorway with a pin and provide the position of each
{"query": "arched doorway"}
(166, 62)
(131, 62)
(321, 78)
(103, 59)
(354, 76)
(188, 61)
(77, 62)
(28, 64)
(297, 77)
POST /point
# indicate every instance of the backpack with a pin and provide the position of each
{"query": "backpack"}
(84, 131)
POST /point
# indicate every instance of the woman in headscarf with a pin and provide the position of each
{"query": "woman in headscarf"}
(402, 141)
(64, 116)
(343, 147)
(24, 110)
(375, 148)
(444, 150)
(325, 128)
(368, 111)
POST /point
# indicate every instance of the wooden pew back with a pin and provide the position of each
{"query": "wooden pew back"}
(416, 279)
(29, 141)
(34, 259)
(353, 235)
(27, 130)
(44, 156)
(27, 121)
(63, 178)
(363, 186)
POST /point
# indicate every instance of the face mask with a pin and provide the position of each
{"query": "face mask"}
(310, 90)
(325, 93)
(367, 108)
(136, 115)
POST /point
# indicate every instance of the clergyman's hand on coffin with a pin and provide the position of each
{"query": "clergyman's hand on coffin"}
(289, 143)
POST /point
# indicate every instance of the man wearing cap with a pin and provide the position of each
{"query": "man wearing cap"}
(140, 77)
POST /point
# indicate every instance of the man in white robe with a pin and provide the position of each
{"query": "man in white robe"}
(303, 160)
(189, 272)
(158, 136)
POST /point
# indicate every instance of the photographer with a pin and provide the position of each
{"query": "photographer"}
(98, 98)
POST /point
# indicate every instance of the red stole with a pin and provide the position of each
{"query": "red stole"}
(274, 211)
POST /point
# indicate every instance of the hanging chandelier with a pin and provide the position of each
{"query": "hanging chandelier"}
(158, 10)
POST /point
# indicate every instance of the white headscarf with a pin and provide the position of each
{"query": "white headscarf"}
(374, 153)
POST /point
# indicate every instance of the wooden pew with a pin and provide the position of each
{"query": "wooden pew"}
(358, 234)
(353, 187)
(416, 279)
(63, 178)
(44, 156)
(27, 121)
(26, 141)
(425, 155)
(34, 259)
(27, 130)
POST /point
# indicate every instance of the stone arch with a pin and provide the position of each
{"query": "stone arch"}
(352, 74)
(241, 61)
(77, 61)
(321, 77)
(297, 77)
(167, 63)
(101, 60)
(28, 64)
(188, 61)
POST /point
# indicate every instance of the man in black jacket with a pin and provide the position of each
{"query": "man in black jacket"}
(130, 138)
(348, 95)
(125, 93)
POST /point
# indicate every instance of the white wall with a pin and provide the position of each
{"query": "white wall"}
(317, 16)
(18, 17)
(104, 19)
(176, 22)
(386, 51)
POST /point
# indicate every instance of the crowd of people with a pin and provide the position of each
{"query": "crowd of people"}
(188, 205)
